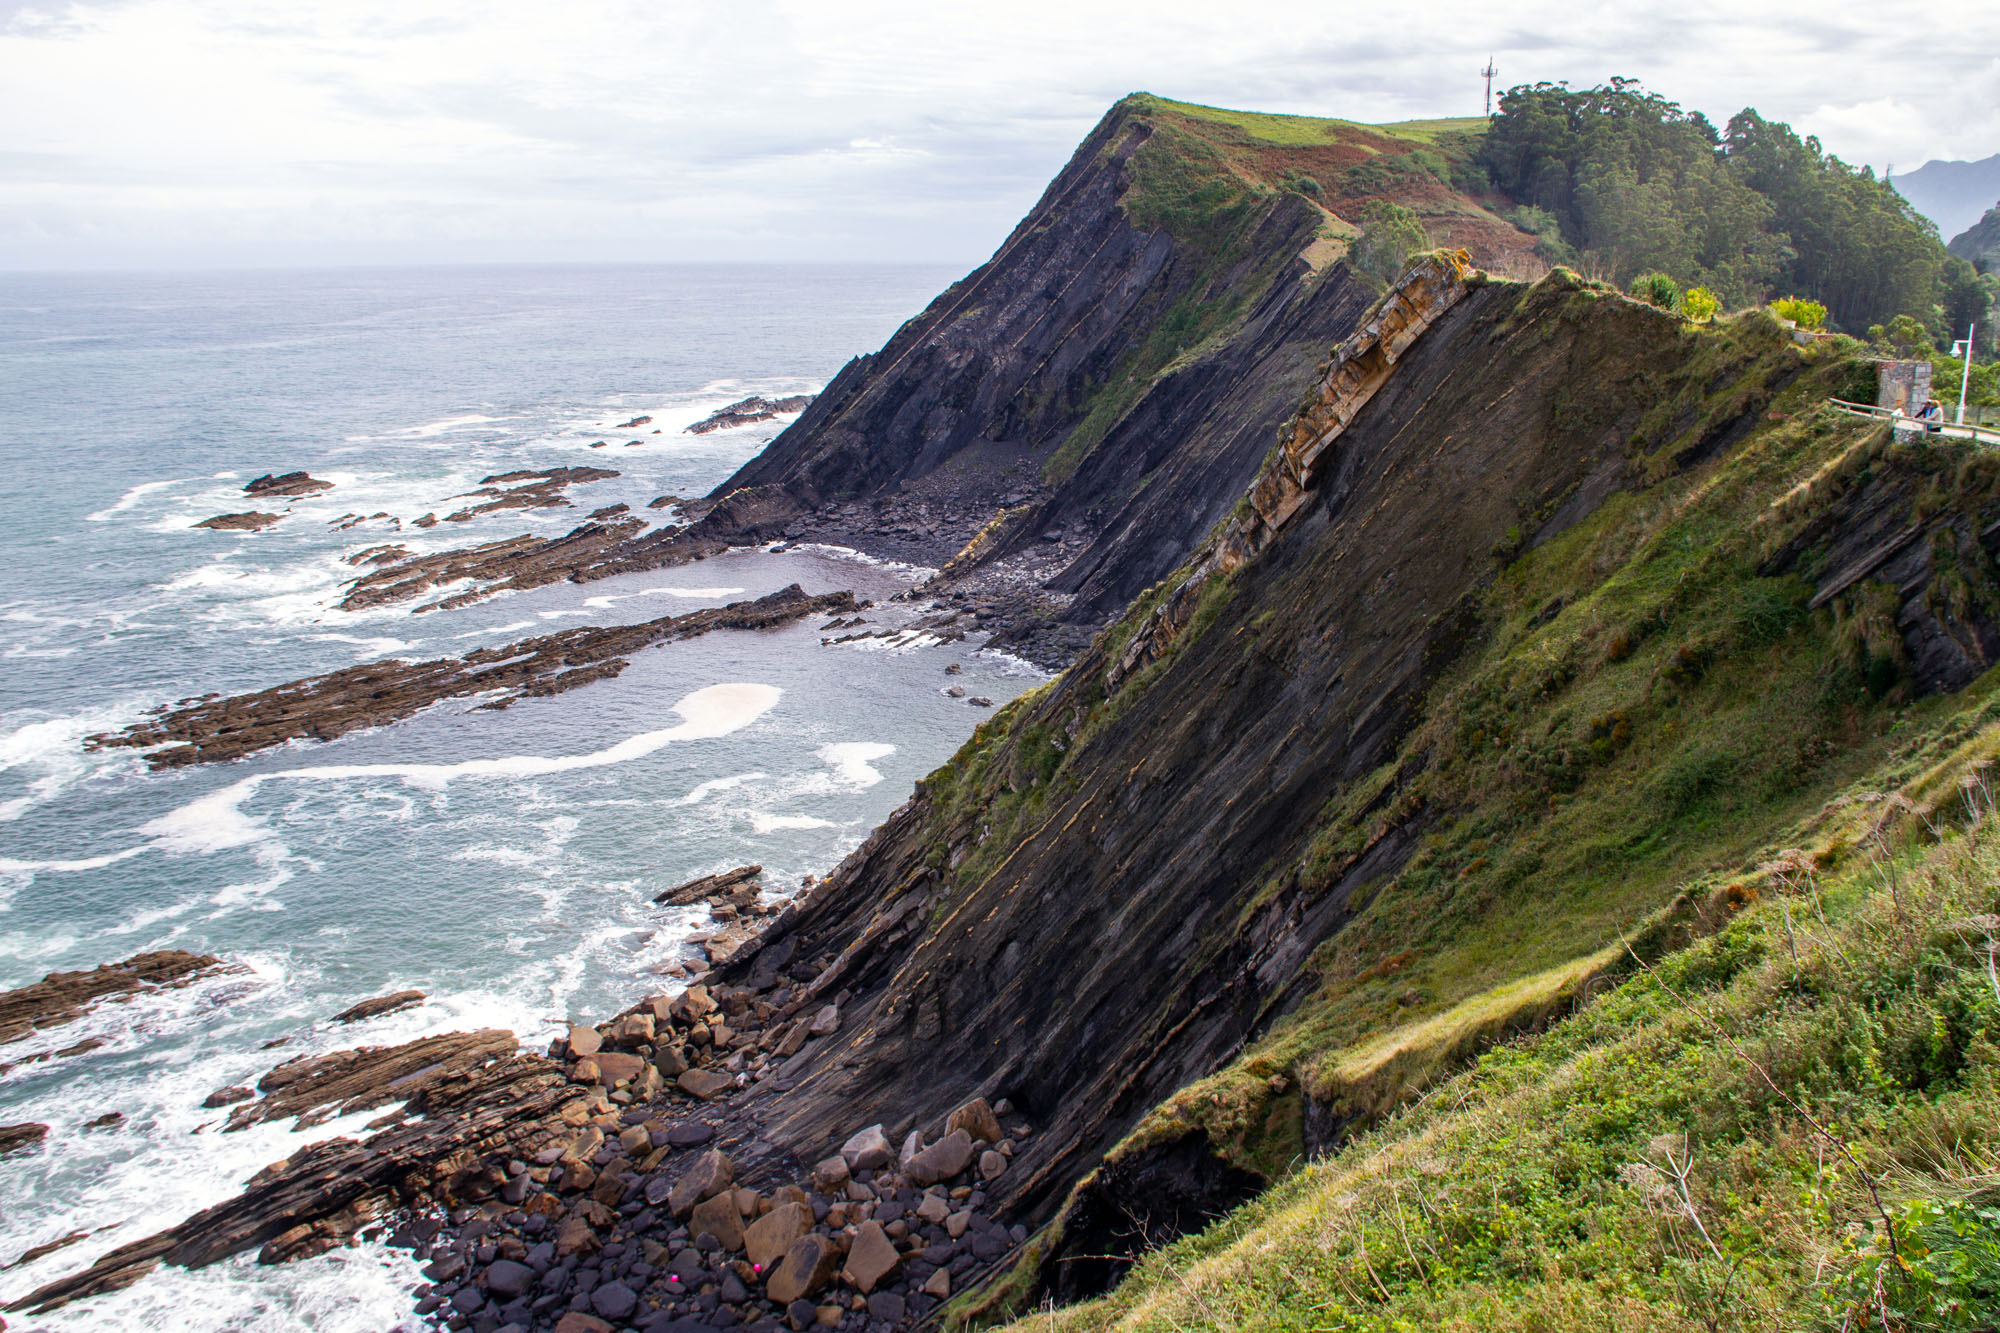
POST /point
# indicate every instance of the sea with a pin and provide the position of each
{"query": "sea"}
(504, 863)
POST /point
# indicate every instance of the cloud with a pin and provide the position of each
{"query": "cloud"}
(151, 131)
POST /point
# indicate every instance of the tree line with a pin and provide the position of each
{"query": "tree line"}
(1622, 182)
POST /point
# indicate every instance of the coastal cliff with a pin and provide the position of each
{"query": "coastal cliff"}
(1515, 643)
(1093, 398)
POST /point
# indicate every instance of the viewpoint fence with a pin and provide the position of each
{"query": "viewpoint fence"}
(1904, 423)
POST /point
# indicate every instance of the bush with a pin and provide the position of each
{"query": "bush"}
(1806, 314)
(1700, 304)
(1657, 289)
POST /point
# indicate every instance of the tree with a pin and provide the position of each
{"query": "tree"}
(1700, 304)
(1390, 234)
(1636, 184)
(1806, 314)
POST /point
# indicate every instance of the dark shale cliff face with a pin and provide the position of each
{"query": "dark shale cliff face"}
(1100, 900)
(1110, 379)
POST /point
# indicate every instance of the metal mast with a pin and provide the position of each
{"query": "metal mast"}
(1489, 72)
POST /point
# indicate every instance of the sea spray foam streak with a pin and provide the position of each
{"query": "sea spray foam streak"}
(216, 821)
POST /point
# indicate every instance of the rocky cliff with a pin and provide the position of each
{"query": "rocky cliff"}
(1131, 873)
(1099, 392)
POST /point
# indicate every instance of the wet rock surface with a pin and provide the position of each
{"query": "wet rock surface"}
(513, 564)
(289, 483)
(17, 1138)
(246, 522)
(63, 997)
(727, 884)
(748, 412)
(527, 490)
(323, 707)
(379, 1005)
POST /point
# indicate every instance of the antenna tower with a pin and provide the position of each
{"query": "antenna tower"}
(1489, 72)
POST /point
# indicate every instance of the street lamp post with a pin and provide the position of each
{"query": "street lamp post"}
(1964, 349)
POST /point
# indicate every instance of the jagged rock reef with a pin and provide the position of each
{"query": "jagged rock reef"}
(208, 730)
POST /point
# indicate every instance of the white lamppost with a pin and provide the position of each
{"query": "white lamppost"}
(1964, 349)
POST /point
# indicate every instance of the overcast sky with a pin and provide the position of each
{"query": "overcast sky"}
(147, 132)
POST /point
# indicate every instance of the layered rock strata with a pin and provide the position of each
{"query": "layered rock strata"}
(324, 707)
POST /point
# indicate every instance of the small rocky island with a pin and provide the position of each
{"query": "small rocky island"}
(747, 412)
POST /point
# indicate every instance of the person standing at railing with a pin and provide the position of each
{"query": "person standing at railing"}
(1932, 416)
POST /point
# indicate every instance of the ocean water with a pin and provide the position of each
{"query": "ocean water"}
(501, 862)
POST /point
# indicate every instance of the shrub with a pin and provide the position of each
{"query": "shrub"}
(1657, 289)
(1806, 314)
(1700, 304)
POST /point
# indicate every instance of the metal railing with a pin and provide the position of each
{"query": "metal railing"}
(1904, 421)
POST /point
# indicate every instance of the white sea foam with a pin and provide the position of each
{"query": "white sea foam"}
(376, 647)
(852, 762)
(707, 789)
(699, 594)
(51, 749)
(130, 499)
(764, 823)
(497, 629)
(10, 866)
(216, 821)
(433, 428)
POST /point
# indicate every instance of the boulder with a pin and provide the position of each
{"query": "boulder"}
(508, 1279)
(933, 1209)
(977, 1119)
(614, 1066)
(670, 1062)
(692, 1006)
(766, 1240)
(831, 1175)
(576, 1321)
(868, 1150)
(13, 1138)
(227, 1097)
(720, 1218)
(826, 1022)
(707, 1084)
(806, 1267)
(938, 1286)
(576, 1237)
(711, 1173)
(913, 1143)
(991, 1165)
(614, 1300)
(633, 1030)
(871, 1258)
(942, 1160)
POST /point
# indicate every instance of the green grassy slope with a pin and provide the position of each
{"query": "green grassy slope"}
(1208, 176)
(1793, 1123)
(1651, 711)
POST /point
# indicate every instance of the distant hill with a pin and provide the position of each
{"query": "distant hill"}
(1980, 241)
(1952, 194)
